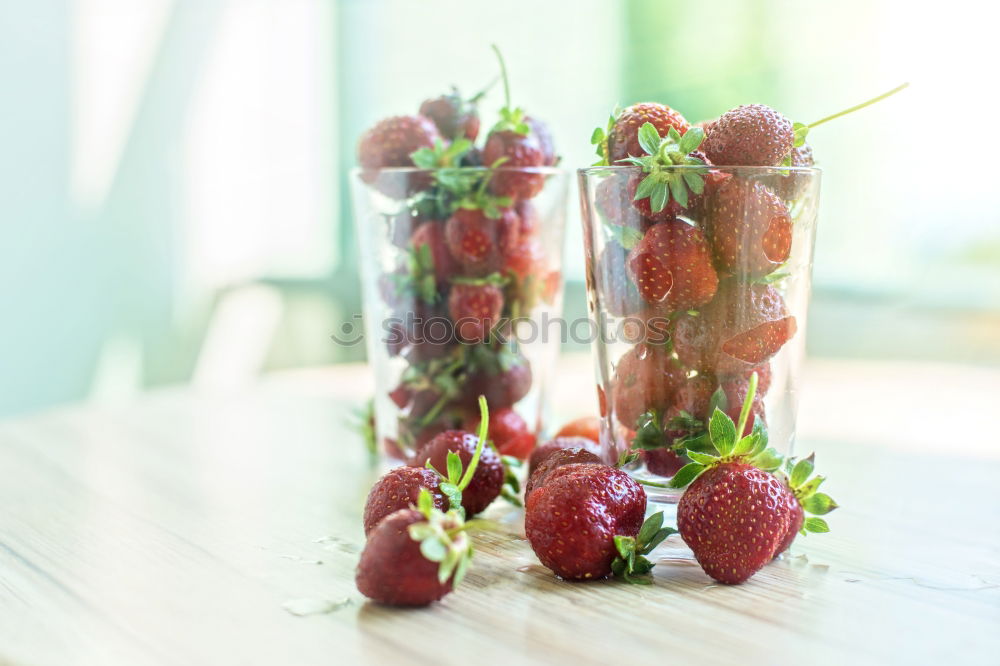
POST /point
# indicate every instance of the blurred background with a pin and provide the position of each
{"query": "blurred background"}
(173, 172)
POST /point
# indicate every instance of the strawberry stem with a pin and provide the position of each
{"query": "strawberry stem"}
(484, 425)
(503, 76)
(859, 106)
(482, 93)
(747, 402)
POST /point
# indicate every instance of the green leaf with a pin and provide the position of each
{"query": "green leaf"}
(462, 567)
(650, 527)
(819, 504)
(768, 460)
(745, 445)
(679, 190)
(454, 467)
(452, 492)
(646, 187)
(627, 237)
(673, 134)
(694, 181)
(425, 502)
(686, 475)
(421, 531)
(659, 197)
(800, 133)
(649, 138)
(703, 458)
(433, 550)
(759, 434)
(597, 136)
(648, 433)
(802, 471)
(808, 488)
(723, 432)
(691, 140)
(813, 524)
(718, 401)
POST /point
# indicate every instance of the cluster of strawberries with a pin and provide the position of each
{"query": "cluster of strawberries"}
(470, 255)
(699, 248)
(586, 519)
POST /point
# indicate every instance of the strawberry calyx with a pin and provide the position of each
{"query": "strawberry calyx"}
(796, 477)
(599, 138)
(630, 564)
(731, 448)
(662, 154)
(511, 488)
(442, 155)
(456, 480)
(442, 539)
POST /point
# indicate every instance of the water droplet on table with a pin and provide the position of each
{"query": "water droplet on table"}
(304, 607)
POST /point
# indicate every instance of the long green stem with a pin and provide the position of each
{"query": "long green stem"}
(859, 106)
(747, 403)
(503, 75)
(484, 426)
(482, 93)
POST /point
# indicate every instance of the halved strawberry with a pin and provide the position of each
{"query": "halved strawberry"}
(672, 266)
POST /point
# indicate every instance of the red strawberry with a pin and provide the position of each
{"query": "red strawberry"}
(623, 140)
(571, 521)
(477, 241)
(801, 497)
(475, 309)
(505, 424)
(615, 290)
(519, 446)
(646, 377)
(585, 426)
(526, 259)
(613, 201)
(518, 151)
(454, 117)
(748, 227)
(487, 480)
(672, 266)
(414, 557)
(733, 517)
(763, 377)
(662, 462)
(540, 130)
(744, 326)
(736, 393)
(431, 235)
(749, 135)
(558, 443)
(693, 398)
(398, 489)
(391, 141)
(794, 184)
(557, 459)
(531, 222)
(502, 389)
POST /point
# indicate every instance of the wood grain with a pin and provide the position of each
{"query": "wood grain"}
(176, 530)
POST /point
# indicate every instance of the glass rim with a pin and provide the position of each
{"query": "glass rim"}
(781, 170)
(544, 170)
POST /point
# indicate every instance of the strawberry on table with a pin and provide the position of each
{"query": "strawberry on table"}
(585, 523)
(557, 459)
(801, 498)
(559, 442)
(488, 475)
(414, 556)
(399, 488)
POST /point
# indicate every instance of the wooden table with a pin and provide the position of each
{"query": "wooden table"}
(191, 528)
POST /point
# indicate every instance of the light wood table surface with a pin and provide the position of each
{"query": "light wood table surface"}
(190, 528)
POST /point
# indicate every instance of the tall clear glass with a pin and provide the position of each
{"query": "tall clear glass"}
(691, 301)
(455, 282)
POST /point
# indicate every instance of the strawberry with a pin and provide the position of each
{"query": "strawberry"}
(558, 443)
(530, 219)
(749, 135)
(801, 497)
(743, 326)
(503, 387)
(672, 266)
(585, 426)
(519, 446)
(454, 117)
(477, 241)
(662, 462)
(584, 523)
(646, 376)
(511, 144)
(735, 391)
(474, 308)
(793, 185)
(505, 425)
(414, 556)
(398, 489)
(613, 201)
(615, 290)
(749, 228)
(525, 260)
(734, 513)
(558, 458)
(488, 477)
(431, 236)
(391, 142)
(623, 137)
(540, 130)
